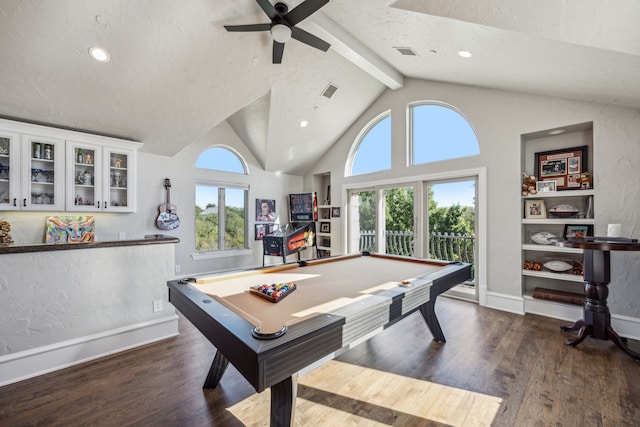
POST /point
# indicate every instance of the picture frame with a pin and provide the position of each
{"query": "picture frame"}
(546, 186)
(261, 231)
(266, 210)
(577, 231)
(325, 227)
(335, 212)
(563, 166)
(535, 209)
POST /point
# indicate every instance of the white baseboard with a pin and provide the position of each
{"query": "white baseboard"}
(505, 302)
(625, 326)
(26, 364)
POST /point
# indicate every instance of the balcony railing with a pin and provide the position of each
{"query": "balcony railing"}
(444, 246)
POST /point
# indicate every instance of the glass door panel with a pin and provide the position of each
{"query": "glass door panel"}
(84, 178)
(44, 165)
(399, 221)
(9, 167)
(451, 223)
(119, 188)
(362, 221)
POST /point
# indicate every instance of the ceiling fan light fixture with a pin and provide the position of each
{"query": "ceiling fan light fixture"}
(281, 33)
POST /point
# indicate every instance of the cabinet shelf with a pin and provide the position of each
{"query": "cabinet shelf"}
(558, 221)
(550, 248)
(565, 193)
(554, 276)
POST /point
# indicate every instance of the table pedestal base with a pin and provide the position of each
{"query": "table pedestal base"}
(597, 319)
(587, 330)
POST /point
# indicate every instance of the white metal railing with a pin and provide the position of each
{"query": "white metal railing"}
(445, 246)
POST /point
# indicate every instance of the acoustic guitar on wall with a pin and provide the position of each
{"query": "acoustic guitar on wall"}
(168, 217)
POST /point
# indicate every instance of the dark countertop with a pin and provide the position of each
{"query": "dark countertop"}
(152, 239)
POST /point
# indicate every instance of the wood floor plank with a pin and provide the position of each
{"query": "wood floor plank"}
(496, 368)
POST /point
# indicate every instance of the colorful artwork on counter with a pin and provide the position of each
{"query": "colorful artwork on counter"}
(69, 229)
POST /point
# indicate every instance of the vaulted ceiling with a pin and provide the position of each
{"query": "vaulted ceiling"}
(175, 73)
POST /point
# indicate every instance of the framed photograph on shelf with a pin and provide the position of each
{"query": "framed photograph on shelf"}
(545, 186)
(325, 227)
(562, 166)
(577, 231)
(335, 212)
(535, 209)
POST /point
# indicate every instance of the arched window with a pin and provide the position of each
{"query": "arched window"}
(371, 151)
(221, 220)
(221, 159)
(439, 132)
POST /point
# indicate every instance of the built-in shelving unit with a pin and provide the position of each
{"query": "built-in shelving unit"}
(324, 226)
(580, 135)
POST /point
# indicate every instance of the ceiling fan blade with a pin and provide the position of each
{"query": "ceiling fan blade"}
(278, 50)
(303, 10)
(310, 39)
(268, 8)
(250, 27)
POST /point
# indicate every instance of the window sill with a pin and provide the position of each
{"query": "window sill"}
(220, 254)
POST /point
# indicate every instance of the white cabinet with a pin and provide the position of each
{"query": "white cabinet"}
(49, 169)
(100, 178)
(32, 176)
(9, 171)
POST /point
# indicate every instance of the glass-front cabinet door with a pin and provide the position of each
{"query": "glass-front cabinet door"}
(101, 178)
(119, 183)
(42, 180)
(84, 177)
(9, 171)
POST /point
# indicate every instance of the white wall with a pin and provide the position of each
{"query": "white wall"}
(499, 118)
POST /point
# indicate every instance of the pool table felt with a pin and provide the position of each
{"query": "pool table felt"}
(321, 288)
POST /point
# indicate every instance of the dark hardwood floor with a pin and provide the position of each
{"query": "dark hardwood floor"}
(496, 368)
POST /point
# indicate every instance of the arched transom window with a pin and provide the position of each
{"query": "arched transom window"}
(371, 151)
(439, 132)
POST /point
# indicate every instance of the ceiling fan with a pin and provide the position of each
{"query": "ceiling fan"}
(283, 25)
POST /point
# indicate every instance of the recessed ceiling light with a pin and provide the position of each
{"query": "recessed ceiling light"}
(99, 54)
(465, 53)
(303, 123)
(556, 132)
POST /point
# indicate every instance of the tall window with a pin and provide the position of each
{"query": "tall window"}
(439, 133)
(371, 150)
(221, 208)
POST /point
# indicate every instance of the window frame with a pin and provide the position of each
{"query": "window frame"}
(234, 180)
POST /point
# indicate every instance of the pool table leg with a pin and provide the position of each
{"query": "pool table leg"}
(283, 401)
(428, 311)
(218, 366)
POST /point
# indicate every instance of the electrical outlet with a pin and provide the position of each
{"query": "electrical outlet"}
(177, 268)
(157, 305)
(122, 235)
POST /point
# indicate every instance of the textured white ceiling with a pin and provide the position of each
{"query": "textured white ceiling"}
(175, 73)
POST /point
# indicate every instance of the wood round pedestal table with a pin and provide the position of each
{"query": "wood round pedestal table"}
(597, 275)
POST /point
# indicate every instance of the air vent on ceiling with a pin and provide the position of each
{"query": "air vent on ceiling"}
(329, 90)
(407, 51)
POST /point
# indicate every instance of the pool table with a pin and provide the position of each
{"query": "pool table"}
(338, 302)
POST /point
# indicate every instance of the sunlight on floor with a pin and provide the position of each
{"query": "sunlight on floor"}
(341, 394)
